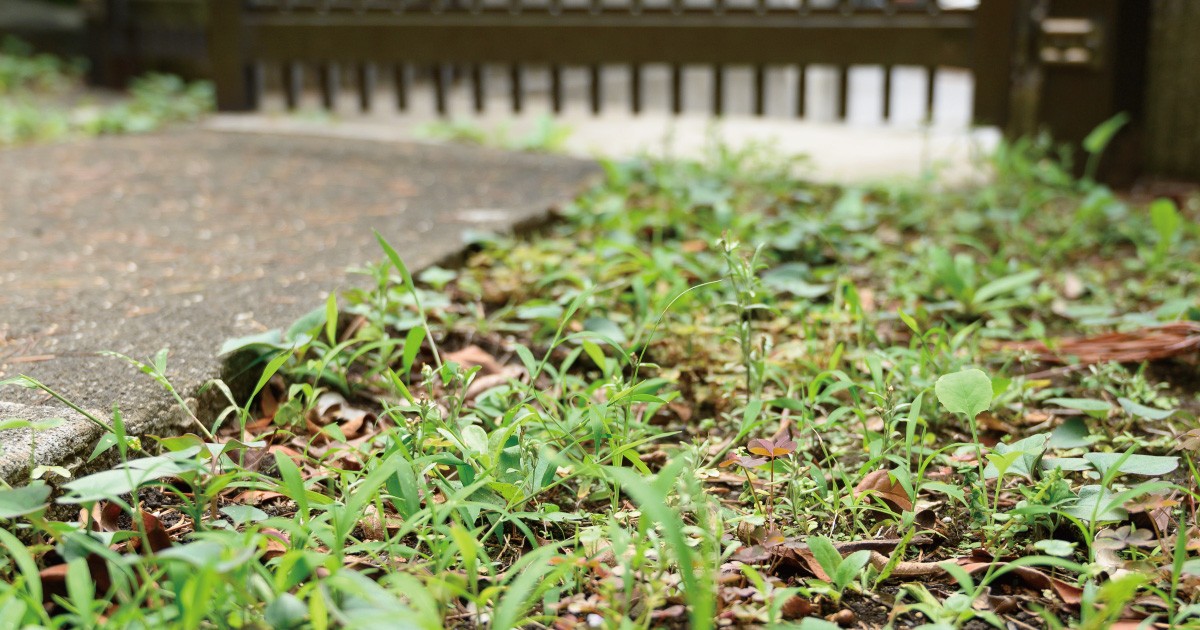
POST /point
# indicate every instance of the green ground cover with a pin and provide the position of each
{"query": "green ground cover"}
(42, 99)
(709, 395)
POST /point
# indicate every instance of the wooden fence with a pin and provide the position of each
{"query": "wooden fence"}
(126, 38)
(378, 40)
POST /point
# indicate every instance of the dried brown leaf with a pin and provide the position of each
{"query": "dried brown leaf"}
(880, 484)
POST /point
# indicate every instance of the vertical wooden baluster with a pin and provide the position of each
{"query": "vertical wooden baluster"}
(760, 90)
(718, 94)
(292, 80)
(439, 88)
(635, 88)
(801, 91)
(366, 86)
(328, 74)
(597, 90)
(254, 84)
(556, 89)
(887, 93)
(478, 88)
(843, 93)
(676, 89)
(930, 91)
(400, 74)
(518, 94)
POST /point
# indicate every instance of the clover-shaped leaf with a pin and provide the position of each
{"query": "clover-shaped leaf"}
(772, 448)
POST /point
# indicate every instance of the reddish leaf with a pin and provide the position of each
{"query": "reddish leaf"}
(156, 534)
(107, 515)
(771, 448)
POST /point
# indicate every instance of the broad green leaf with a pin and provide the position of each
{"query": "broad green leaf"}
(1142, 411)
(437, 277)
(1165, 219)
(1146, 465)
(1069, 464)
(826, 554)
(1090, 406)
(475, 439)
(594, 353)
(1005, 285)
(1070, 434)
(968, 392)
(24, 500)
(548, 311)
(1055, 547)
(1096, 501)
(300, 332)
(850, 567)
(1080, 404)
(793, 278)
(269, 339)
(242, 514)
(1022, 457)
(113, 483)
(605, 328)
(816, 623)
(412, 345)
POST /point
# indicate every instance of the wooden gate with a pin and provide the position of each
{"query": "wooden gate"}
(376, 40)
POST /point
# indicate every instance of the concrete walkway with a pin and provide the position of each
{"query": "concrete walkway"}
(836, 153)
(186, 239)
(865, 148)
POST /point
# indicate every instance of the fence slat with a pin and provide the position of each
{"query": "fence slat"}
(930, 91)
(556, 89)
(596, 89)
(226, 54)
(843, 92)
(439, 73)
(293, 79)
(676, 89)
(635, 88)
(478, 87)
(760, 90)
(400, 76)
(718, 94)
(328, 78)
(518, 92)
(366, 86)
(887, 93)
(801, 90)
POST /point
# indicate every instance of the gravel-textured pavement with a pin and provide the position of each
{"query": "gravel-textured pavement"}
(188, 238)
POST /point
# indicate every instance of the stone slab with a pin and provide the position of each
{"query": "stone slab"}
(188, 238)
